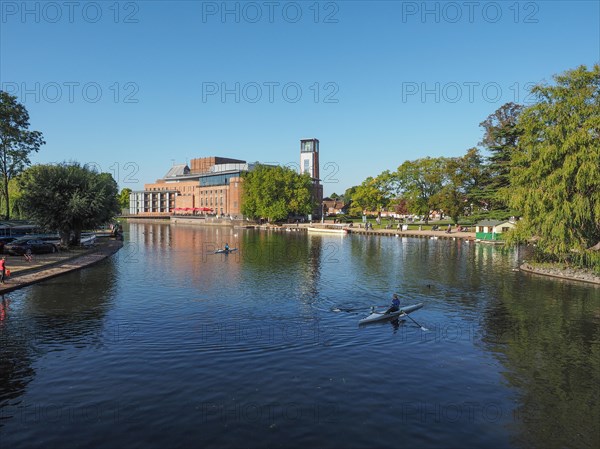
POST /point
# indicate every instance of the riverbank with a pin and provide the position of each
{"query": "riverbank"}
(46, 266)
(561, 272)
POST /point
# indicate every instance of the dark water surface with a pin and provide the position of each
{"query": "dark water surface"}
(164, 345)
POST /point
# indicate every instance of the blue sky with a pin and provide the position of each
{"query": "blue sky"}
(133, 87)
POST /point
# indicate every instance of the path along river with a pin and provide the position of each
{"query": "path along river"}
(167, 345)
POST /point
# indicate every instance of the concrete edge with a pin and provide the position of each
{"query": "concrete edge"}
(559, 273)
(59, 268)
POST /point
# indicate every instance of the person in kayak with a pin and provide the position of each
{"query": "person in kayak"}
(226, 246)
(395, 306)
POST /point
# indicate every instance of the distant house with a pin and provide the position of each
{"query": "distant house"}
(492, 230)
(334, 207)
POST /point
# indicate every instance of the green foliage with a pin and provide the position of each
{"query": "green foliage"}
(123, 198)
(16, 143)
(555, 177)
(370, 196)
(501, 139)
(462, 181)
(420, 181)
(68, 198)
(276, 192)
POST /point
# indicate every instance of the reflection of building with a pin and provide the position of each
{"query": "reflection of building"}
(309, 163)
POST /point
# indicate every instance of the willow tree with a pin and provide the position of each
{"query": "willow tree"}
(68, 198)
(17, 142)
(555, 177)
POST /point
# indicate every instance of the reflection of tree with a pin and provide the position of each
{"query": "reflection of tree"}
(550, 346)
(15, 359)
(67, 309)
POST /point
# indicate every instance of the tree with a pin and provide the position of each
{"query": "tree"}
(420, 181)
(555, 177)
(501, 139)
(276, 192)
(371, 195)
(68, 198)
(124, 198)
(16, 143)
(462, 179)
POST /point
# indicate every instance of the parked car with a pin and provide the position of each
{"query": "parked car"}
(29, 246)
(4, 241)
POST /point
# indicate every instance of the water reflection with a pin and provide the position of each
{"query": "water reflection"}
(43, 319)
(549, 344)
(255, 329)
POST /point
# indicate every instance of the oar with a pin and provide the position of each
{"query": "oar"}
(414, 321)
(337, 309)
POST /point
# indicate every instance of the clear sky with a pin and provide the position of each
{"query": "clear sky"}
(136, 86)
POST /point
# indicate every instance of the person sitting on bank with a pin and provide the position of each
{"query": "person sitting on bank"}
(395, 306)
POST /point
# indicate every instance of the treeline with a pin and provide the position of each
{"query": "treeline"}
(65, 198)
(542, 164)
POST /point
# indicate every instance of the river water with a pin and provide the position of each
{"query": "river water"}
(167, 345)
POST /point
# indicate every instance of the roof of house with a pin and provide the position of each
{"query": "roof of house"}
(492, 222)
(336, 204)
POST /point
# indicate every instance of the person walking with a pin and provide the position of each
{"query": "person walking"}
(2, 269)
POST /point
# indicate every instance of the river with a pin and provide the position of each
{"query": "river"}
(168, 345)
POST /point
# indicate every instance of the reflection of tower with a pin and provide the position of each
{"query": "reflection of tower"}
(309, 163)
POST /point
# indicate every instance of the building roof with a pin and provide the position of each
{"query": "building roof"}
(178, 170)
(492, 222)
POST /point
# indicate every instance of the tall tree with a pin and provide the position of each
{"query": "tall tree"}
(555, 177)
(463, 177)
(124, 198)
(16, 143)
(373, 194)
(276, 192)
(68, 198)
(501, 139)
(420, 180)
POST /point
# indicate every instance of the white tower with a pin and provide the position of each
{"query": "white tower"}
(309, 157)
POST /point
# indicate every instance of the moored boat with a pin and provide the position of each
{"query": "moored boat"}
(327, 230)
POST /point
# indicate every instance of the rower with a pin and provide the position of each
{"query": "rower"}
(395, 306)
(226, 246)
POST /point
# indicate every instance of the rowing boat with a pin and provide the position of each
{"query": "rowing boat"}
(225, 251)
(382, 316)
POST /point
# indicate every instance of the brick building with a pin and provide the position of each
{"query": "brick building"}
(211, 185)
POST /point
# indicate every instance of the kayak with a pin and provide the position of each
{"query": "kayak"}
(382, 316)
(225, 251)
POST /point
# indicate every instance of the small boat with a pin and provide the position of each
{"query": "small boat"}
(225, 251)
(87, 239)
(382, 316)
(327, 230)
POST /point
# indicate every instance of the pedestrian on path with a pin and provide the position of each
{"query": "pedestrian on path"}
(2, 269)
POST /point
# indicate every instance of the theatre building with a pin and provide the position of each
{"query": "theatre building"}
(210, 186)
